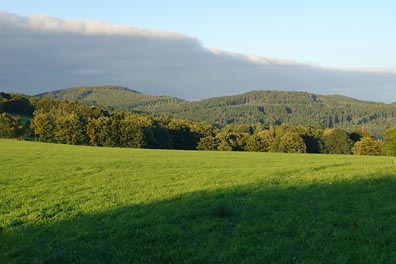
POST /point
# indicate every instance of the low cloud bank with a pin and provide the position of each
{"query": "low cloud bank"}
(41, 53)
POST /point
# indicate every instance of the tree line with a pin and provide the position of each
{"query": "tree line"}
(49, 120)
(293, 108)
(264, 107)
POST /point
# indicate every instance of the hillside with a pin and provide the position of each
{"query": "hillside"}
(77, 204)
(112, 97)
(265, 107)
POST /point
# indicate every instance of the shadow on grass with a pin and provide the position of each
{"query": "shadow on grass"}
(350, 222)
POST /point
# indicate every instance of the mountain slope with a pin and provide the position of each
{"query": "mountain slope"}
(265, 107)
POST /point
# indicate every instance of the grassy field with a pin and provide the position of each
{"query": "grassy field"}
(75, 204)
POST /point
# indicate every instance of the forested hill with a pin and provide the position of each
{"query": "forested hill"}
(295, 108)
(112, 97)
(265, 107)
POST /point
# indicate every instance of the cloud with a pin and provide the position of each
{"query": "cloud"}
(41, 53)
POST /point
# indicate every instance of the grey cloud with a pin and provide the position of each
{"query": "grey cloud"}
(39, 54)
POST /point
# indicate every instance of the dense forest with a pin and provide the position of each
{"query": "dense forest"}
(49, 120)
(114, 97)
(268, 108)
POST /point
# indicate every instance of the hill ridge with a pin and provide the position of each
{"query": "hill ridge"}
(116, 97)
(268, 107)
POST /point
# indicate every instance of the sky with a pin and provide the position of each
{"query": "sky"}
(344, 47)
(358, 34)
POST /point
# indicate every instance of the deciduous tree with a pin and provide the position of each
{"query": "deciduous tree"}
(368, 146)
(10, 126)
(390, 142)
(291, 142)
(337, 141)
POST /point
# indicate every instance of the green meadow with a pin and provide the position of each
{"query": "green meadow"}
(77, 204)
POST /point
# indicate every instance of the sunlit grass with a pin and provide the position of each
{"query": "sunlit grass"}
(75, 204)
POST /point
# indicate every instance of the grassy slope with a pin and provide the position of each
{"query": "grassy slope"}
(75, 204)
